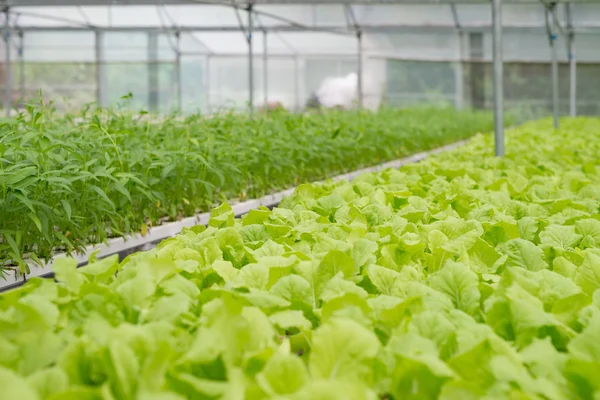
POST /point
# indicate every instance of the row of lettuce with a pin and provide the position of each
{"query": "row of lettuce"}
(461, 277)
(67, 181)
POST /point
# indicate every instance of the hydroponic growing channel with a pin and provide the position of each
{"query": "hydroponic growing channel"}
(463, 276)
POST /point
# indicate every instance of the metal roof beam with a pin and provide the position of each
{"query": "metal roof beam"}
(38, 3)
(289, 28)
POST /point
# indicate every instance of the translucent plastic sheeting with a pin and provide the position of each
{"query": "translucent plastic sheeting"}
(62, 47)
(416, 82)
(435, 46)
(200, 15)
(278, 43)
(194, 89)
(290, 80)
(414, 15)
(127, 16)
(329, 15)
(290, 15)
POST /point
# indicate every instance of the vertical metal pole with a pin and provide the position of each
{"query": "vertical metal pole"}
(21, 67)
(178, 72)
(458, 74)
(572, 63)
(250, 62)
(207, 84)
(153, 80)
(360, 69)
(458, 67)
(8, 71)
(498, 78)
(551, 12)
(101, 97)
(265, 69)
(297, 83)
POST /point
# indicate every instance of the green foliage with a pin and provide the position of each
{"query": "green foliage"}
(69, 181)
(464, 276)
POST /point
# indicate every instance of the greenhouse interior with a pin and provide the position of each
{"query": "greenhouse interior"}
(297, 200)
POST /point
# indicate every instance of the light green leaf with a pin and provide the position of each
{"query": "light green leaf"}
(225, 270)
(588, 274)
(588, 227)
(103, 269)
(65, 270)
(524, 254)
(528, 227)
(122, 369)
(559, 236)
(254, 233)
(254, 276)
(283, 374)
(290, 319)
(334, 262)
(338, 286)
(343, 349)
(363, 252)
(295, 289)
(16, 387)
(269, 249)
(48, 382)
(335, 390)
(460, 284)
(221, 216)
(385, 280)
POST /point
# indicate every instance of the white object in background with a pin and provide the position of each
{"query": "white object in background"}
(339, 92)
(343, 92)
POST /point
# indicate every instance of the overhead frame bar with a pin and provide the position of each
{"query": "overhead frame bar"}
(293, 29)
(34, 3)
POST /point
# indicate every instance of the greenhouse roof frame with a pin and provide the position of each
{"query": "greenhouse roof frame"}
(37, 3)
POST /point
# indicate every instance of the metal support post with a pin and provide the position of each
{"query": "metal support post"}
(207, 85)
(498, 78)
(21, 67)
(551, 16)
(178, 71)
(250, 61)
(572, 62)
(153, 80)
(459, 74)
(8, 71)
(360, 69)
(297, 83)
(458, 67)
(101, 97)
(265, 70)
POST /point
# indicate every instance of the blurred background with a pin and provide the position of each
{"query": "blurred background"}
(194, 55)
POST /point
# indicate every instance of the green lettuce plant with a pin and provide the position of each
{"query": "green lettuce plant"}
(464, 276)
